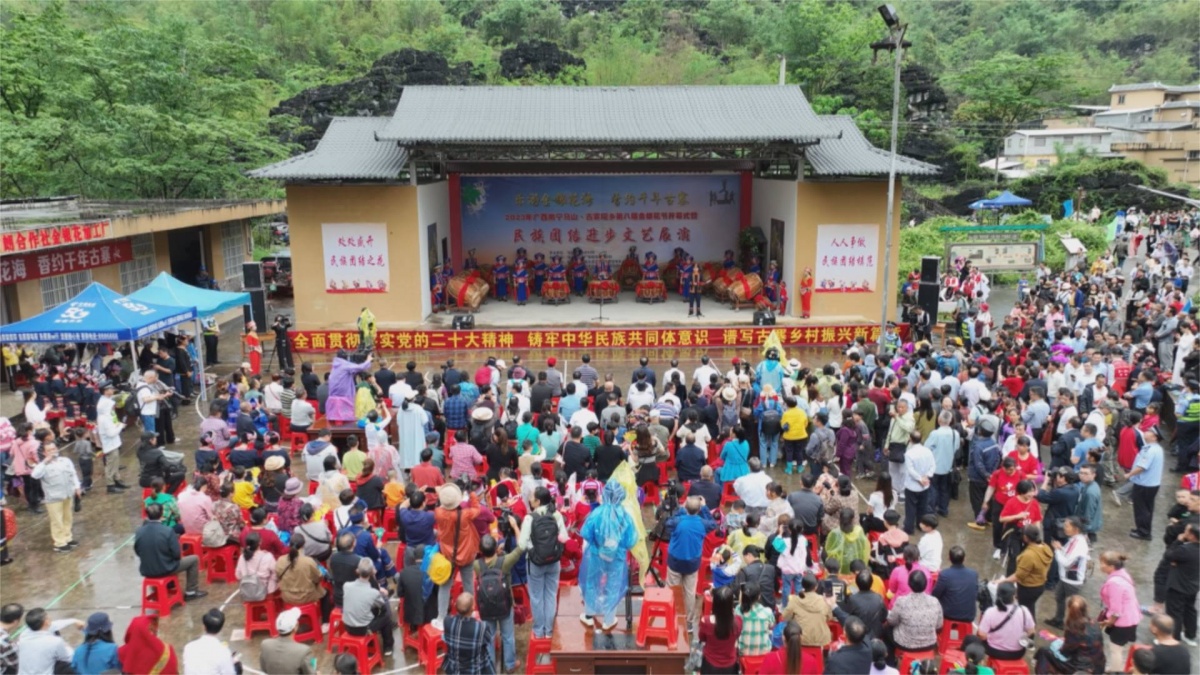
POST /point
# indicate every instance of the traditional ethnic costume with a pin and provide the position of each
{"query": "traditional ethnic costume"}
(521, 282)
(807, 285)
(578, 275)
(500, 276)
(539, 272)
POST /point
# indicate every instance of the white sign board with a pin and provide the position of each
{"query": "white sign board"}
(996, 256)
(847, 258)
(356, 257)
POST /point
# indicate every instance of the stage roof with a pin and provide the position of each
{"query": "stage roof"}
(604, 115)
(347, 151)
(853, 154)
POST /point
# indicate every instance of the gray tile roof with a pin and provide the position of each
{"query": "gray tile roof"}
(347, 151)
(853, 154)
(1141, 86)
(1154, 126)
(1181, 104)
(603, 115)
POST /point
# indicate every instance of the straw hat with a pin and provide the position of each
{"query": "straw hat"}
(728, 393)
(273, 463)
(450, 496)
(482, 414)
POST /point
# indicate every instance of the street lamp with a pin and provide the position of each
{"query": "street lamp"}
(896, 44)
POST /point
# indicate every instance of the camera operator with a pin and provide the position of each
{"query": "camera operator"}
(668, 508)
(283, 348)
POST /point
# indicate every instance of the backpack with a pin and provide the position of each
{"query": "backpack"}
(772, 422)
(729, 416)
(213, 535)
(543, 532)
(493, 594)
(252, 588)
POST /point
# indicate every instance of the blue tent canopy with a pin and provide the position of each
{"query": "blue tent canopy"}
(97, 314)
(1005, 200)
(168, 291)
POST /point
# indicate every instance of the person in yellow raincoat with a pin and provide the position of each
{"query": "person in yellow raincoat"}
(366, 329)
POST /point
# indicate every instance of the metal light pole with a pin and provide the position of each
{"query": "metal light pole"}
(895, 43)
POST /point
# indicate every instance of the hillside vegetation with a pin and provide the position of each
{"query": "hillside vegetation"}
(173, 98)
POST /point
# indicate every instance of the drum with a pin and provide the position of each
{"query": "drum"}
(720, 288)
(745, 287)
(602, 290)
(466, 294)
(654, 290)
(556, 292)
(629, 274)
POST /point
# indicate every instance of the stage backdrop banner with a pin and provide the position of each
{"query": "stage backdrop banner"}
(555, 214)
(582, 338)
(847, 258)
(356, 257)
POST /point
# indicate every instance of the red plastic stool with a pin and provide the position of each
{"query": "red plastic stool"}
(309, 627)
(751, 664)
(1009, 666)
(298, 441)
(410, 638)
(906, 658)
(652, 494)
(391, 532)
(658, 603)
(160, 594)
(521, 599)
(190, 544)
(814, 548)
(285, 426)
(431, 642)
(548, 470)
(312, 487)
(261, 615)
(220, 564)
(336, 629)
(1129, 659)
(952, 634)
(728, 494)
(537, 647)
(951, 659)
(658, 559)
(365, 649)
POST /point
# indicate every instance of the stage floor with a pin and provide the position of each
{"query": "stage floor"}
(627, 312)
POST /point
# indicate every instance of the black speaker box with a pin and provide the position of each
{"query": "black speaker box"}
(927, 298)
(256, 311)
(463, 322)
(764, 318)
(252, 275)
(929, 269)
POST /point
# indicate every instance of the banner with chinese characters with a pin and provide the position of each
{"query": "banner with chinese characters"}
(555, 214)
(33, 239)
(53, 262)
(582, 338)
(356, 257)
(847, 258)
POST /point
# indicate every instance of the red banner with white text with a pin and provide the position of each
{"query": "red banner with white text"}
(56, 261)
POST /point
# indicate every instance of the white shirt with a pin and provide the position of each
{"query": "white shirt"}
(918, 464)
(1065, 417)
(971, 389)
(1096, 417)
(33, 414)
(641, 399)
(666, 378)
(272, 396)
(580, 418)
(703, 373)
(752, 488)
(146, 401)
(930, 547)
(207, 656)
(398, 392)
(1073, 554)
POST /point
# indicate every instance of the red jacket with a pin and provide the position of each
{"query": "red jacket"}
(468, 537)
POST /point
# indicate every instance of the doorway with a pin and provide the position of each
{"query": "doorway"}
(188, 254)
(775, 246)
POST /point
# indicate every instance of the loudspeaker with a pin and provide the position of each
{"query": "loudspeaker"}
(930, 286)
(463, 322)
(252, 275)
(764, 317)
(929, 269)
(256, 311)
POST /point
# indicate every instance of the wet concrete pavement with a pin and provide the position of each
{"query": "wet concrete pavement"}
(102, 574)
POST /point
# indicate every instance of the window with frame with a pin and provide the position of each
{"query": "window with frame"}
(139, 271)
(1039, 142)
(1069, 140)
(59, 289)
(233, 252)
(1120, 98)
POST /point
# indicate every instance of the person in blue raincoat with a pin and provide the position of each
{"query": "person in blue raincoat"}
(521, 282)
(735, 454)
(770, 371)
(608, 535)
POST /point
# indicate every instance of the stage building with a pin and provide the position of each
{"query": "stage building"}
(462, 173)
(52, 248)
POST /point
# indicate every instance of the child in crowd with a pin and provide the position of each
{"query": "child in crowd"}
(725, 566)
(393, 491)
(244, 487)
(930, 544)
(736, 519)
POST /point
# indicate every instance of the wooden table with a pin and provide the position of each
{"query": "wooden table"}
(579, 650)
(341, 432)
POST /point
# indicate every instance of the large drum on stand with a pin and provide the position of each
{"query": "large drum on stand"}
(556, 292)
(744, 288)
(602, 290)
(466, 292)
(652, 290)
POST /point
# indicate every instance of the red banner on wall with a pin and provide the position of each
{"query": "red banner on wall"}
(55, 235)
(53, 262)
(583, 338)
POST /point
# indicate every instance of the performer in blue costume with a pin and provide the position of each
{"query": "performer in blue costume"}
(470, 263)
(539, 272)
(728, 263)
(608, 534)
(521, 258)
(521, 282)
(771, 282)
(755, 266)
(685, 277)
(650, 268)
(500, 276)
(557, 271)
(603, 270)
(437, 287)
(447, 268)
(578, 273)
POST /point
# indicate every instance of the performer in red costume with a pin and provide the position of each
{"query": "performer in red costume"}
(806, 293)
